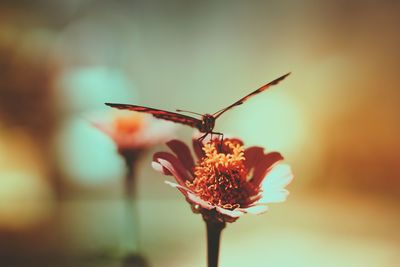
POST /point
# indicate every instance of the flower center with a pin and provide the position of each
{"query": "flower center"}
(128, 124)
(221, 177)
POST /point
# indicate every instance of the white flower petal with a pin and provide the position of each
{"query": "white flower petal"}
(274, 197)
(257, 209)
(231, 213)
(273, 186)
(195, 199)
(191, 196)
(177, 170)
(158, 167)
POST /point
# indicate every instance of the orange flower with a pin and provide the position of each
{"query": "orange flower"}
(134, 131)
(227, 181)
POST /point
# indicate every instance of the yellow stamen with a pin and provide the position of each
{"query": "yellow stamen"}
(221, 177)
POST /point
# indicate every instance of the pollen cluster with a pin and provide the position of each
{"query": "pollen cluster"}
(221, 177)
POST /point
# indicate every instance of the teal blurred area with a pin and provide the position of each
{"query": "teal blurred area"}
(335, 118)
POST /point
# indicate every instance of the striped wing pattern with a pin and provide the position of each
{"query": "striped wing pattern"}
(161, 114)
(259, 90)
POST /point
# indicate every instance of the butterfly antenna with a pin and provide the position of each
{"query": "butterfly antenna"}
(180, 110)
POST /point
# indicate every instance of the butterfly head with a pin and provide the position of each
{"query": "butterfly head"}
(207, 123)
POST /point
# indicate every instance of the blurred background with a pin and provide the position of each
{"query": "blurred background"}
(336, 119)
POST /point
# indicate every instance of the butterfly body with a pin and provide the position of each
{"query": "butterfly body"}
(207, 122)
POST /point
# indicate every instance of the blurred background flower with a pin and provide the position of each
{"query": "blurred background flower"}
(132, 130)
(133, 135)
(335, 119)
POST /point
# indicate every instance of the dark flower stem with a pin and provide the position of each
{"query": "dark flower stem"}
(214, 229)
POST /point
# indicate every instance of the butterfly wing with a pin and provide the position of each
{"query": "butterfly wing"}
(259, 90)
(161, 114)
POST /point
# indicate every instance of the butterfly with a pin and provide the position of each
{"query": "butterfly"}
(206, 123)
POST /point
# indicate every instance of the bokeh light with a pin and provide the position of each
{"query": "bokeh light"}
(87, 155)
(26, 198)
(87, 89)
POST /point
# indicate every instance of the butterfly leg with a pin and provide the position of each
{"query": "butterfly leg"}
(221, 139)
(200, 140)
(220, 135)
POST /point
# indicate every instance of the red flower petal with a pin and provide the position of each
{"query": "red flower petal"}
(158, 167)
(197, 147)
(253, 155)
(182, 151)
(173, 165)
(263, 166)
(234, 140)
